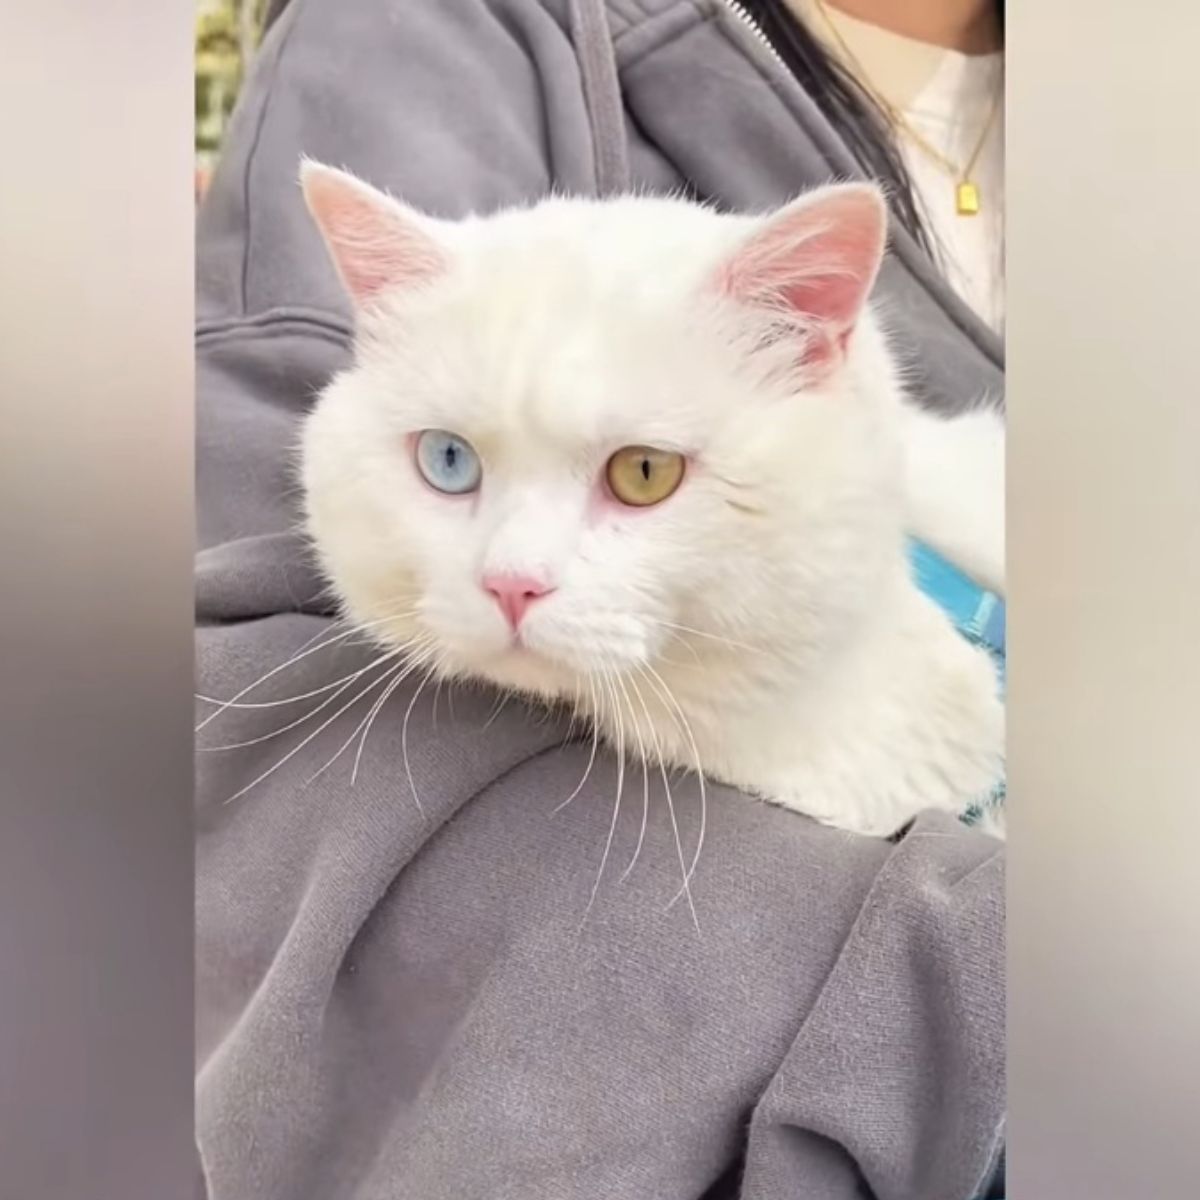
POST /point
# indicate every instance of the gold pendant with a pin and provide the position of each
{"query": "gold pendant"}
(966, 197)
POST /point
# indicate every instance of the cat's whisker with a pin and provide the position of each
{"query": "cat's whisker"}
(700, 777)
(309, 649)
(345, 684)
(591, 758)
(686, 888)
(397, 675)
(637, 850)
(437, 691)
(676, 665)
(253, 704)
(412, 784)
(500, 705)
(662, 767)
(712, 637)
(576, 710)
(674, 636)
(334, 622)
(637, 730)
(402, 672)
(657, 681)
(295, 658)
(428, 651)
(376, 709)
(296, 749)
(612, 827)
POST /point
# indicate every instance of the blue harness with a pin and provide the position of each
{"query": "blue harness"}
(979, 615)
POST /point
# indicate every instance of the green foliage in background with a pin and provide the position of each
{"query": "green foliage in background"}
(227, 34)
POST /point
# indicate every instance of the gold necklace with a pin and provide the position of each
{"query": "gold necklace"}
(967, 197)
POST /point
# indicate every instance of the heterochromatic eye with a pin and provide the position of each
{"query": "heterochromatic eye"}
(641, 476)
(447, 462)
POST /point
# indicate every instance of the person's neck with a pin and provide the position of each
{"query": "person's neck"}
(969, 26)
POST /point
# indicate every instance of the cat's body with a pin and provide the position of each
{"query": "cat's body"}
(758, 620)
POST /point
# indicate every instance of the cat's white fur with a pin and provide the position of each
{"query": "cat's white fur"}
(760, 623)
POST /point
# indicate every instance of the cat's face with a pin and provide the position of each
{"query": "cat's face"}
(572, 446)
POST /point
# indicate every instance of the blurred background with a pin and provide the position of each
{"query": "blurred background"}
(227, 36)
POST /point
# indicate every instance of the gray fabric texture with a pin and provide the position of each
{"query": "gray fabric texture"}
(407, 990)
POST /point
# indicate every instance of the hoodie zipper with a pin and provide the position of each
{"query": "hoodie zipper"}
(754, 29)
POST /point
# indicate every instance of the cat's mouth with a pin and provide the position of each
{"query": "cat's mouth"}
(548, 666)
(525, 648)
(549, 649)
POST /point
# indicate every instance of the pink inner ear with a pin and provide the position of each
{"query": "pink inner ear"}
(818, 258)
(375, 244)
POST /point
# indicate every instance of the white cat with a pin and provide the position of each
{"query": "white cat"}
(656, 462)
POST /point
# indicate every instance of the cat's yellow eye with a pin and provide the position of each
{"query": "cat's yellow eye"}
(641, 476)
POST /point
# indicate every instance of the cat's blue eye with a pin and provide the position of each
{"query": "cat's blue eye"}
(447, 462)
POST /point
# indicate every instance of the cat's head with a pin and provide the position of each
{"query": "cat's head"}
(587, 437)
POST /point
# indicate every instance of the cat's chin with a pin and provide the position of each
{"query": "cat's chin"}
(538, 673)
(519, 668)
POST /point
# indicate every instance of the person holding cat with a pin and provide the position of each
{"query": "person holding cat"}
(450, 943)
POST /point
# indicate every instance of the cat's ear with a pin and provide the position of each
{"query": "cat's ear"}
(376, 243)
(817, 258)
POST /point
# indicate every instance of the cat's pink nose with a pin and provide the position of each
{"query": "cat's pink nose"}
(514, 594)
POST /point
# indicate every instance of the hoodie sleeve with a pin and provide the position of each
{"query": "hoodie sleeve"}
(896, 1079)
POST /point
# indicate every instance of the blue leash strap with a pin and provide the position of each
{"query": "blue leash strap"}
(978, 614)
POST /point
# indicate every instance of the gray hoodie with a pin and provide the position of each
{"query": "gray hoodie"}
(423, 1005)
